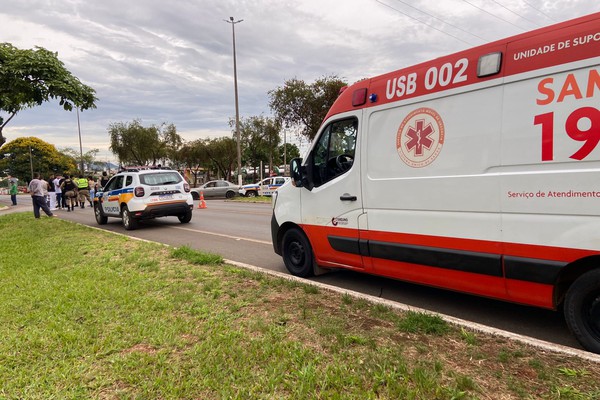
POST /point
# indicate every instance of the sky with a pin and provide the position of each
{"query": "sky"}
(172, 61)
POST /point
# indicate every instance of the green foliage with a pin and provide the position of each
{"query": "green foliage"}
(103, 316)
(135, 144)
(20, 155)
(33, 76)
(196, 257)
(291, 151)
(260, 140)
(89, 157)
(298, 104)
(218, 154)
(416, 322)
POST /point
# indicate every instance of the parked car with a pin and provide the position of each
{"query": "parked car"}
(266, 187)
(218, 188)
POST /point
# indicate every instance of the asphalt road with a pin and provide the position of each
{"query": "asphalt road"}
(241, 232)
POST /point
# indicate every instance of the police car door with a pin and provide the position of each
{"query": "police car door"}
(110, 197)
(265, 188)
(332, 205)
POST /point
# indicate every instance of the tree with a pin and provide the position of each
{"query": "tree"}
(135, 144)
(89, 157)
(194, 159)
(302, 105)
(29, 78)
(20, 156)
(260, 139)
(291, 151)
(222, 153)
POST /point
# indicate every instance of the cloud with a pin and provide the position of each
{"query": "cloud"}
(172, 62)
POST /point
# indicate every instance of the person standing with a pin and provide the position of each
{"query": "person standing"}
(69, 189)
(92, 185)
(59, 200)
(39, 190)
(51, 193)
(103, 179)
(13, 189)
(84, 191)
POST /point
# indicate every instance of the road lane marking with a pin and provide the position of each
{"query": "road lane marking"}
(222, 235)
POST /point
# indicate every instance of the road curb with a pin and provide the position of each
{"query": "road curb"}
(540, 344)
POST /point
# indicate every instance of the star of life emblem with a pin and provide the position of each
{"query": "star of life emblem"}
(420, 137)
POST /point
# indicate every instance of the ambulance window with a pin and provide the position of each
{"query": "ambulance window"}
(334, 152)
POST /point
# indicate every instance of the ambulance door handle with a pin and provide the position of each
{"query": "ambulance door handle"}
(347, 197)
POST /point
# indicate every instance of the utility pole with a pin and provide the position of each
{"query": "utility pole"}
(237, 109)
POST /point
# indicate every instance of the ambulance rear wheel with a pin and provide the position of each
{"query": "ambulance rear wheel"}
(582, 310)
(128, 221)
(297, 253)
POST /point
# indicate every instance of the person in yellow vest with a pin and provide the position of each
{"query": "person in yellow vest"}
(84, 191)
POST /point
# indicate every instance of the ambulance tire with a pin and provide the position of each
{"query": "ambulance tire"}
(101, 219)
(297, 253)
(582, 310)
(128, 221)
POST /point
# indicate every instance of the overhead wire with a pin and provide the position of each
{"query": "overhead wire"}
(516, 13)
(493, 15)
(443, 21)
(424, 23)
(540, 11)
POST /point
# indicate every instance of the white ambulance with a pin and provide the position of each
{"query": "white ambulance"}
(477, 172)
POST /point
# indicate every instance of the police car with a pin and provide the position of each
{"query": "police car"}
(144, 193)
(266, 187)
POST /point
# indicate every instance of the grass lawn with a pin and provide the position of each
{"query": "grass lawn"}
(87, 314)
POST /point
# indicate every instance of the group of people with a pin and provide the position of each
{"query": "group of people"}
(65, 192)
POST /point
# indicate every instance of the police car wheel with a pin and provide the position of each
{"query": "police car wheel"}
(251, 193)
(185, 218)
(297, 253)
(582, 310)
(100, 218)
(128, 221)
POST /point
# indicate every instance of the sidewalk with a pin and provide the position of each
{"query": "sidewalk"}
(23, 204)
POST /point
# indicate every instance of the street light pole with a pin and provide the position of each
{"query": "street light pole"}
(31, 160)
(237, 109)
(80, 146)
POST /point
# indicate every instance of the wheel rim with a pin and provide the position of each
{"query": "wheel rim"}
(296, 253)
(591, 308)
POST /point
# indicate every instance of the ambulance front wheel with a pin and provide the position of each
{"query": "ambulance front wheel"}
(297, 253)
(582, 310)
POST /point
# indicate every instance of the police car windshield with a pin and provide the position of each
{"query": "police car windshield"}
(160, 178)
